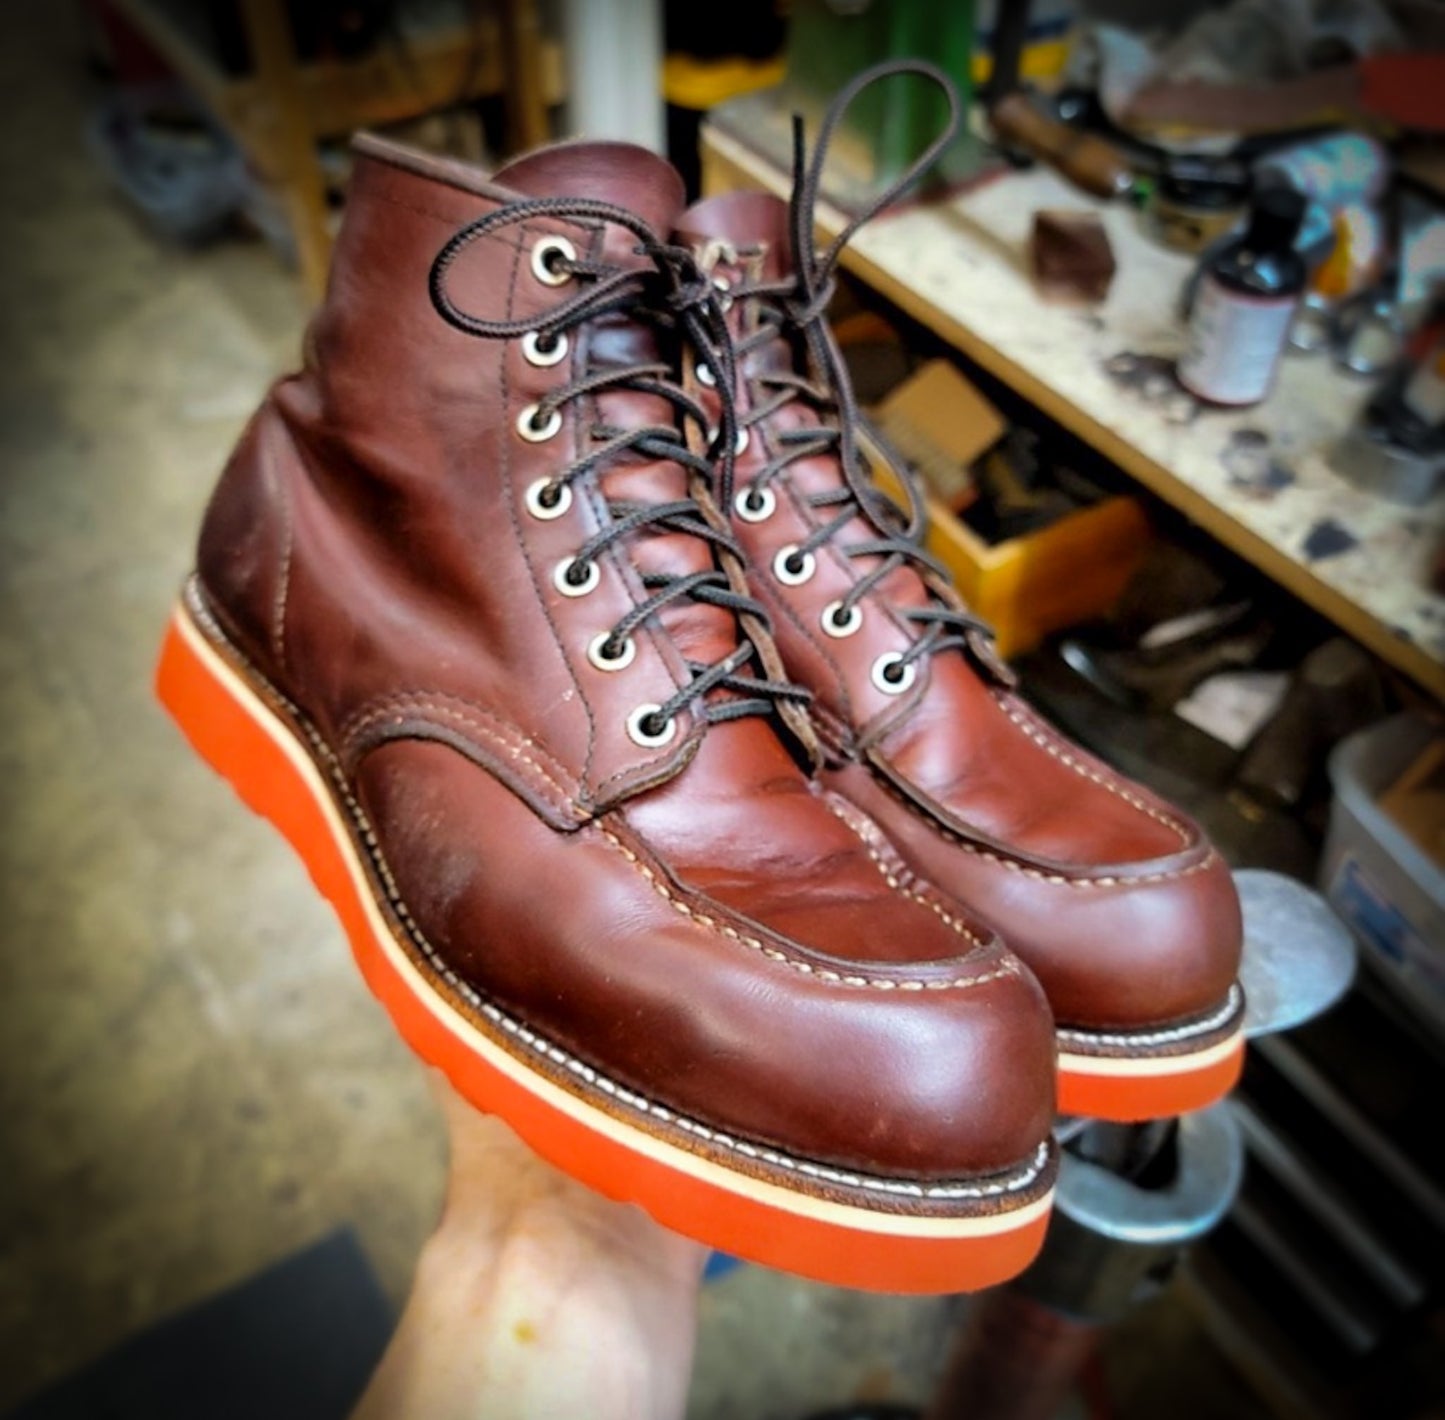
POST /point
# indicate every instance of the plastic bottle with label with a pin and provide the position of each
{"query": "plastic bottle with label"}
(1245, 304)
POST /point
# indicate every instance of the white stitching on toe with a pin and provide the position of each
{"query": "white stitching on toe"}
(876, 983)
(1051, 746)
(1083, 880)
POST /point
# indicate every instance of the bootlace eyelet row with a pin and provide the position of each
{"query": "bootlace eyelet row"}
(647, 729)
(892, 675)
(534, 352)
(547, 500)
(755, 505)
(576, 579)
(548, 253)
(792, 568)
(838, 623)
(532, 431)
(608, 653)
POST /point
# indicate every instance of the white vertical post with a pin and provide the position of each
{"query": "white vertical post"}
(613, 53)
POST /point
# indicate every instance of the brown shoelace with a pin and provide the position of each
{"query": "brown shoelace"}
(793, 310)
(673, 295)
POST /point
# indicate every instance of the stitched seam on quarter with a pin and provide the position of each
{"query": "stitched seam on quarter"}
(894, 874)
(450, 220)
(283, 583)
(1159, 1037)
(1014, 1181)
(358, 722)
(519, 536)
(807, 968)
(1014, 866)
(1050, 747)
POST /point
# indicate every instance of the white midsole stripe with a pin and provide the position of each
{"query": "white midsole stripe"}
(1113, 1065)
(599, 1121)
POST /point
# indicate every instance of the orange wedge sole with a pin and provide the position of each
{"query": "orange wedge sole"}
(1131, 1090)
(831, 1241)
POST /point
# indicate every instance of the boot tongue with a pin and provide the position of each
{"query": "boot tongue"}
(620, 173)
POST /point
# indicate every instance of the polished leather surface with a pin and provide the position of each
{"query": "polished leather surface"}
(1116, 901)
(701, 921)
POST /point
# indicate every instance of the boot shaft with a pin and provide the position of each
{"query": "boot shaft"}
(398, 539)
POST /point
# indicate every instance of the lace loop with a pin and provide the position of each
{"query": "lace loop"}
(793, 308)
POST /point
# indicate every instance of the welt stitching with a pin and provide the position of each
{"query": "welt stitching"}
(1159, 1037)
(1083, 880)
(1051, 747)
(1014, 1181)
(876, 983)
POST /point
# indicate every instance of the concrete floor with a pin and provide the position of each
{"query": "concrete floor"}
(194, 1080)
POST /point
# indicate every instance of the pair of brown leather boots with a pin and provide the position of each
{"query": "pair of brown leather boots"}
(673, 803)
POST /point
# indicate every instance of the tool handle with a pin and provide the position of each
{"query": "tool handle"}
(1086, 160)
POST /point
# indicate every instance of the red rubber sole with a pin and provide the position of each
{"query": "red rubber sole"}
(1131, 1089)
(820, 1238)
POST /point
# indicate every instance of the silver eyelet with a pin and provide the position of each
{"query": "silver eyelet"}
(755, 505)
(640, 735)
(886, 683)
(791, 576)
(741, 439)
(723, 287)
(536, 496)
(533, 432)
(597, 652)
(534, 353)
(547, 247)
(590, 578)
(832, 626)
(705, 375)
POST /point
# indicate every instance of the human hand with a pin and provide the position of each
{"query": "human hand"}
(537, 1297)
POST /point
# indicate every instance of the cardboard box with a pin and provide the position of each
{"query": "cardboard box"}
(942, 425)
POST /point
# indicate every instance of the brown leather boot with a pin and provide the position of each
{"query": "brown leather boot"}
(1117, 902)
(468, 626)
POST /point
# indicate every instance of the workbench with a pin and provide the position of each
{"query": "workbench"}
(1259, 480)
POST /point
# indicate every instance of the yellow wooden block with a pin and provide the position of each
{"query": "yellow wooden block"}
(1069, 572)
